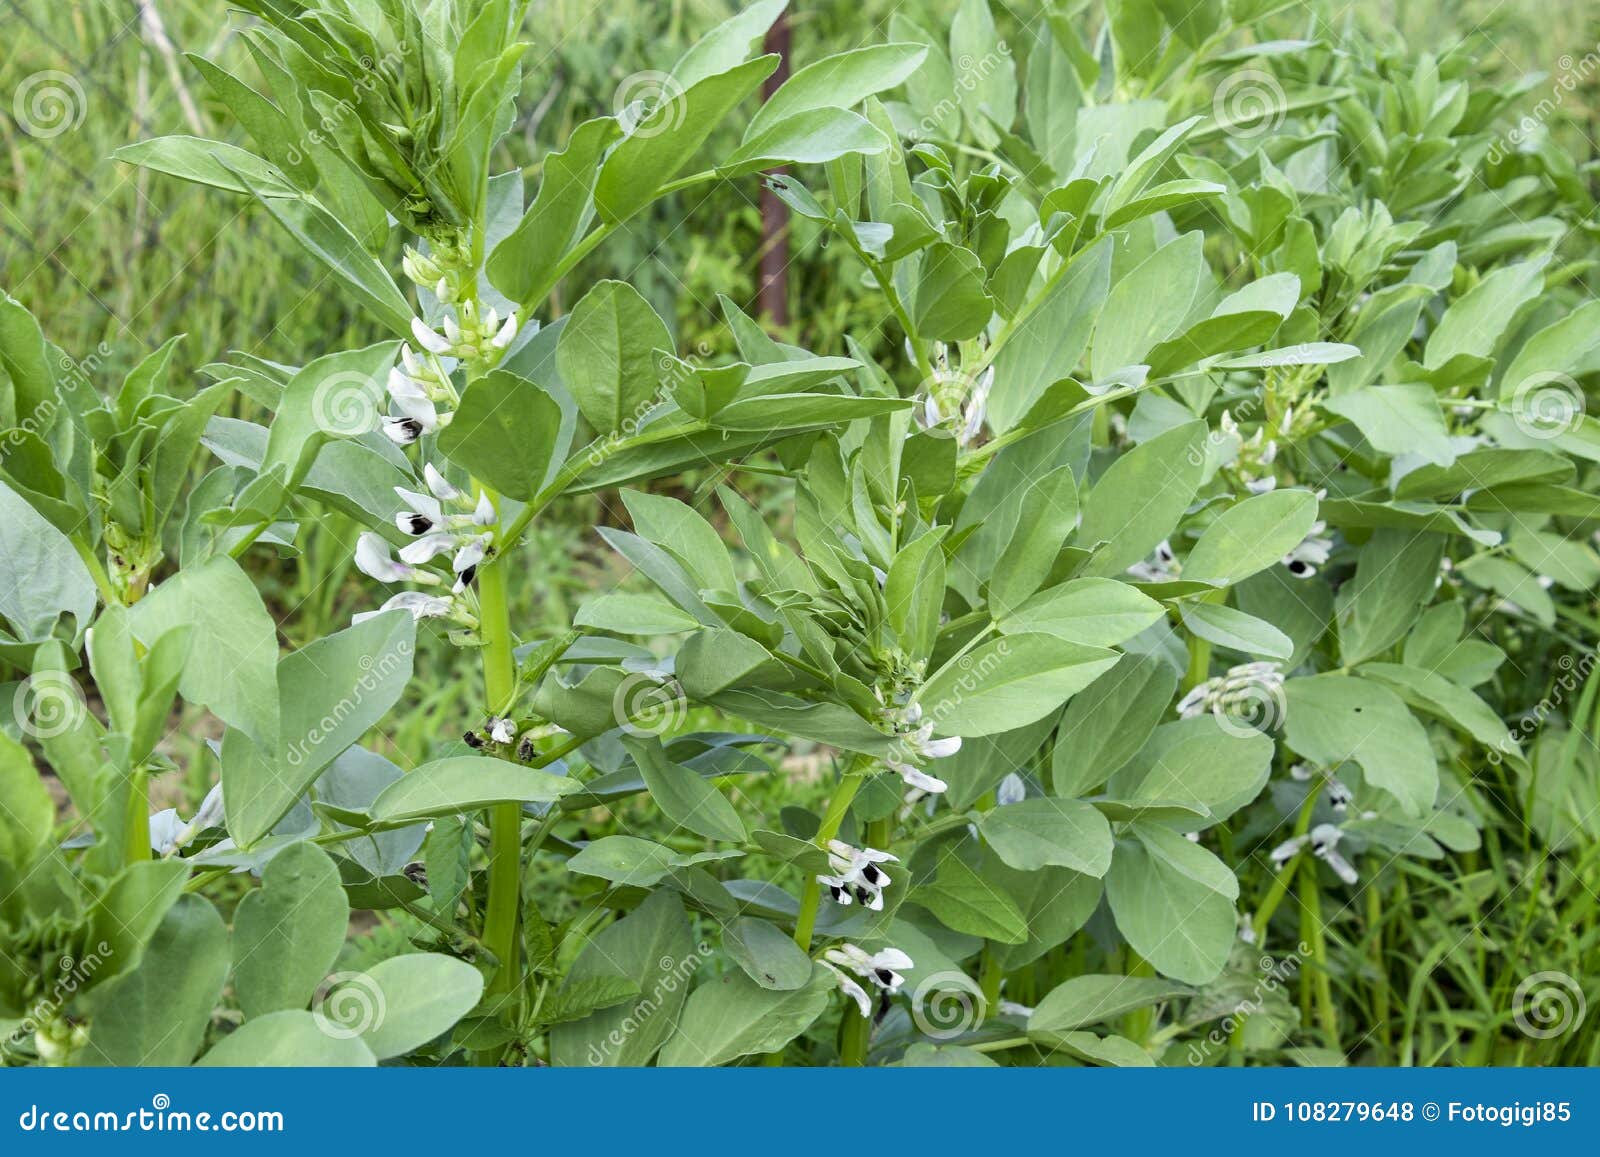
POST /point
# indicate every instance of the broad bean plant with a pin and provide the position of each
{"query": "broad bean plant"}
(1105, 648)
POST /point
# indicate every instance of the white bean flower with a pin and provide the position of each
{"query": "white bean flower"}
(857, 878)
(884, 969)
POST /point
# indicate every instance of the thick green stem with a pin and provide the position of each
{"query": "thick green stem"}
(811, 898)
(990, 974)
(137, 838)
(505, 820)
(108, 591)
(854, 1034)
(1286, 874)
(1312, 932)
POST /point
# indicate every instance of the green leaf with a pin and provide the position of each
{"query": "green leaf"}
(631, 862)
(207, 162)
(1141, 496)
(914, 592)
(1091, 999)
(28, 363)
(507, 432)
(950, 302)
(463, 783)
(523, 266)
(624, 614)
(288, 933)
(405, 1001)
(1009, 682)
(41, 575)
(964, 902)
(1201, 764)
(682, 532)
(232, 662)
(1172, 904)
(841, 81)
(322, 235)
(1441, 697)
(1474, 322)
(1398, 420)
(1048, 338)
(1227, 627)
(331, 693)
(728, 44)
(1395, 575)
(1248, 317)
(653, 948)
(27, 822)
(1100, 612)
(775, 412)
(158, 1014)
(1148, 304)
(288, 1039)
(607, 356)
(768, 955)
(986, 80)
(811, 137)
(1251, 536)
(1055, 903)
(1332, 718)
(1109, 721)
(684, 796)
(1046, 516)
(577, 1000)
(1311, 353)
(669, 135)
(1559, 348)
(731, 1016)
(126, 915)
(1039, 832)
(336, 395)
(1108, 1050)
